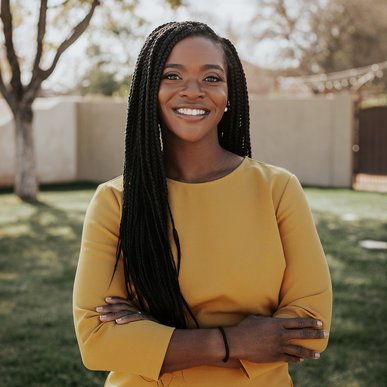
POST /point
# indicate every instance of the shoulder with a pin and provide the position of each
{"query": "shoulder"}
(272, 175)
(275, 181)
(108, 196)
(115, 185)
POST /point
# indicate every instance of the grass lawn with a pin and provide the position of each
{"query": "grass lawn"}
(39, 246)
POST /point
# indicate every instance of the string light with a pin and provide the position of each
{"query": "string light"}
(352, 78)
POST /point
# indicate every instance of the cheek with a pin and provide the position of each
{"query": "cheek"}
(222, 97)
(162, 98)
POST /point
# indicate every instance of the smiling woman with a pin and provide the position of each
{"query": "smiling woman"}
(199, 266)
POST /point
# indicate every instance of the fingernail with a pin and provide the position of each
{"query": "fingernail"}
(325, 333)
(319, 323)
(119, 320)
(108, 299)
(99, 309)
(317, 355)
(103, 316)
(301, 360)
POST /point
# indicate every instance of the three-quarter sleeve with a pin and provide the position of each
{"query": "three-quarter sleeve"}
(138, 347)
(306, 287)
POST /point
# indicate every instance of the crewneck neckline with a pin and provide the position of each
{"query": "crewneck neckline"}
(210, 182)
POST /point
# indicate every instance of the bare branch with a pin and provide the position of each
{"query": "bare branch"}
(76, 33)
(40, 36)
(6, 18)
(59, 5)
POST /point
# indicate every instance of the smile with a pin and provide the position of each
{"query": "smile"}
(191, 112)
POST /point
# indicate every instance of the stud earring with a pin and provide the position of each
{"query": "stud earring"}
(227, 106)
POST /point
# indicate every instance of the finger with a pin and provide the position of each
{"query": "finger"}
(300, 322)
(131, 318)
(306, 333)
(135, 317)
(115, 308)
(291, 359)
(301, 352)
(118, 300)
(113, 316)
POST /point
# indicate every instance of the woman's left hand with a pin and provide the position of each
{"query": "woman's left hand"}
(122, 311)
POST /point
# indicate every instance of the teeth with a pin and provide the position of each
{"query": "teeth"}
(191, 112)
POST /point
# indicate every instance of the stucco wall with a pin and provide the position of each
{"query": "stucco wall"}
(310, 137)
(55, 126)
(83, 139)
(101, 126)
(55, 129)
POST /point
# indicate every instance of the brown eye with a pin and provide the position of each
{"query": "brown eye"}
(171, 76)
(212, 79)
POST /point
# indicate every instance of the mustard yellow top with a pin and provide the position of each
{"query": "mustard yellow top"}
(249, 246)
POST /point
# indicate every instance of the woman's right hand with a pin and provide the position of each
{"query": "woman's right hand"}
(262, 339)
(122, 311)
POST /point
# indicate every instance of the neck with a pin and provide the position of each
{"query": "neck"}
(195, 162)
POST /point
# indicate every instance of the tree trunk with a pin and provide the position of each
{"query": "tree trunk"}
(26, 182)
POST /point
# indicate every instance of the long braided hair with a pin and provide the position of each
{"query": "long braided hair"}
(151, 273)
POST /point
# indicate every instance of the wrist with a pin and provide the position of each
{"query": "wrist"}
(225, 342)
(235, 352)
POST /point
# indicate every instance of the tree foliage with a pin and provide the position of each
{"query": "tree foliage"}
(112, 50)
(101, 77)
(325, 35)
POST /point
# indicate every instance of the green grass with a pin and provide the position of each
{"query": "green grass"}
(39, 246)
(356, 355)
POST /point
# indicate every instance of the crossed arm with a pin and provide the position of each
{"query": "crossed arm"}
(257, 339)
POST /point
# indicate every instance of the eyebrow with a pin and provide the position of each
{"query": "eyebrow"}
(205, 67)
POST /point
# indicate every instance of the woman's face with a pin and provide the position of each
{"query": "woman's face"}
(193, 90)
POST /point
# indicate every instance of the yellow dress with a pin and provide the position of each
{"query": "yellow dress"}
(249, 246)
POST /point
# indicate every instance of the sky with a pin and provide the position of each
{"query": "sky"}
(217, 13)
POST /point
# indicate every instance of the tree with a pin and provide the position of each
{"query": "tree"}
(324, 35)
(20, 96)
(351, 34)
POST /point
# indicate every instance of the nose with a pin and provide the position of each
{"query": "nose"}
(191, 89)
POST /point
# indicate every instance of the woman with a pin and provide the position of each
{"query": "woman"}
(200, 266)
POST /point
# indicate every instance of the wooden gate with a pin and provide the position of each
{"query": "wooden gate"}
(371, 149)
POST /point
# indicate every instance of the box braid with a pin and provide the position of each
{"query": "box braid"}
(147, 225)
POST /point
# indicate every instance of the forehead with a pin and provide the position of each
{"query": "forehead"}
(196, 50)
